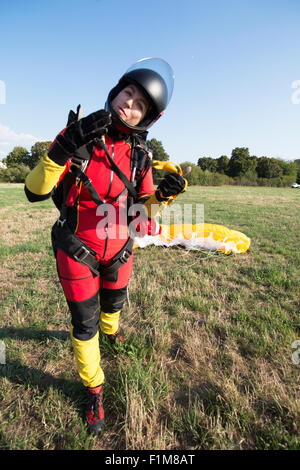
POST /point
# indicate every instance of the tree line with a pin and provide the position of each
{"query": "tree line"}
(245, 169)
(240, 169)
(20, 161)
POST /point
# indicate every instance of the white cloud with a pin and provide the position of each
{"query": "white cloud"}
(10, 139)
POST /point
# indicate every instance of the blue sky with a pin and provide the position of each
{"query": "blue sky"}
(234, 64)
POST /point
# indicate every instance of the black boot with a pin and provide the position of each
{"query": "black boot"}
(115, 338)
(94, 409)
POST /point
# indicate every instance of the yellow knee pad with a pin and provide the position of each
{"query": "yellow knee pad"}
(109, 322)
(87, 356)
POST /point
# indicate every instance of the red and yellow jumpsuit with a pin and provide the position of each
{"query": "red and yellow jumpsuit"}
(93, 301)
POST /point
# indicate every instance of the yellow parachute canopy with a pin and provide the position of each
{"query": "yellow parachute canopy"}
(197, 236)
(193, 237)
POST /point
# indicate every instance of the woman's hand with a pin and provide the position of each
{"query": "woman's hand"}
(77, 134)
(171, 185)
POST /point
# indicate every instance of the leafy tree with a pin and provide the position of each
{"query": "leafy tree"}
(192, 176)
(240, 162)
(18, 156)
(208, 163)
(222, 164)
(288, 168)
(38, 150)
(158, 150)
(196, 176)
(159, 153)
(268, 168)
(15, 174)
(253, 161)
(297, 163)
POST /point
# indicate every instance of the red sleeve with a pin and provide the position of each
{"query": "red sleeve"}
(65, 171)
(147, 186)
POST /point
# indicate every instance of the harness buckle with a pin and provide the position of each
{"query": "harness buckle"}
(81, 253)
(60, 222)
(77, 162)
(125, 256)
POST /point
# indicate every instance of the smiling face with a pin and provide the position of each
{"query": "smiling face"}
(131, 105)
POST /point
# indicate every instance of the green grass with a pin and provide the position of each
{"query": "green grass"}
(207, 360)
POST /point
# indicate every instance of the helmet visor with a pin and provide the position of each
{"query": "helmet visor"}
(159, 66)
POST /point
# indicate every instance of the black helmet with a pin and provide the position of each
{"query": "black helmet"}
(155, 78)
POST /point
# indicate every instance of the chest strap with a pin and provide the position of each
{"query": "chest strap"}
(130, 187)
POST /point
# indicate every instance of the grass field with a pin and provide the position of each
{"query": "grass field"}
(208, 359)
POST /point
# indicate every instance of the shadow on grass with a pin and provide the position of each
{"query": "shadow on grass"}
(25, 375)
(33, 333)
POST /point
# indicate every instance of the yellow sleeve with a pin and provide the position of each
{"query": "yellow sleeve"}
(42, 179)
(153, 206)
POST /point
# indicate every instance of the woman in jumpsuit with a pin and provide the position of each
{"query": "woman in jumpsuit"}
(116, 132)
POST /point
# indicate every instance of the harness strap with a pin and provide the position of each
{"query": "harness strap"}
(119, 172)
(77, 163)
(63, 238)
(81, 175)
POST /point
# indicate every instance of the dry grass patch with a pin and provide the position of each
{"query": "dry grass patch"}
(145, 428)
(20, 226)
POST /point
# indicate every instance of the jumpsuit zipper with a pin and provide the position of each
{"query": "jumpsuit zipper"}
(104, 200)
